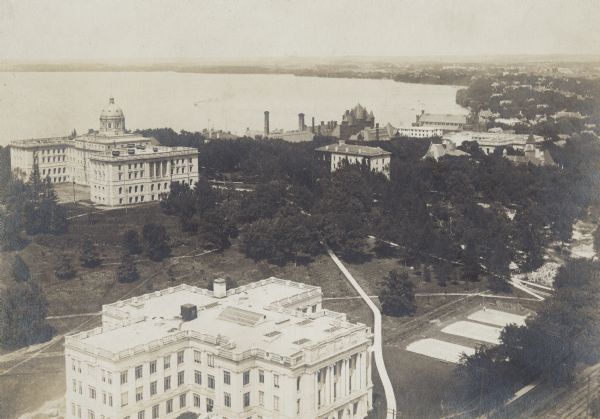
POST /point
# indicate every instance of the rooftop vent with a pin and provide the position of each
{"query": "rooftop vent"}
(189, 312)
(220, 288)
(301, 341)
(131, 151)
(116, 153)
(304, 322)
(332, 329)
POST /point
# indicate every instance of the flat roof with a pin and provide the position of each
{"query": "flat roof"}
(354, 150)
(252, 317)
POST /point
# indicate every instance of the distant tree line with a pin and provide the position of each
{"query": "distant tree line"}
(441, 214)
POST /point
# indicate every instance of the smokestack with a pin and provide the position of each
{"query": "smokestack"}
(219, 288)
(300, 122)
(377, 131)
(266, 123)
(313, 124)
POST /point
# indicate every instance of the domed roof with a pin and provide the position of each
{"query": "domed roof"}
(111, 110)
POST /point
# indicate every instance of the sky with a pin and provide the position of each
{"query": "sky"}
(146, 30)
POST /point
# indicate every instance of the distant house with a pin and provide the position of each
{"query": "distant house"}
(375, 134)
(490, 141)
(377, 159)
(447, 148)
(533, 154)
(420, 132)
(447, 122)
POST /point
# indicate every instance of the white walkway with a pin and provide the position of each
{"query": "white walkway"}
(390, 398)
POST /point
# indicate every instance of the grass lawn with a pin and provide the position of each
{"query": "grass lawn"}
(419, 381)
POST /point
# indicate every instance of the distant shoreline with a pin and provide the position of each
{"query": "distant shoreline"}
(226, 70)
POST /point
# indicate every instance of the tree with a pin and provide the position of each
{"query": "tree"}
(397, 296)
(127, 271)
(20, 270)
(64, 270)
(131, 242)
(156, 241)
(472, 267)
(89, 257)
(23, 315)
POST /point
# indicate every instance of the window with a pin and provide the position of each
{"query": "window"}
(211, 381)
(246, 377)
(152, 388)
(182, 400)
(91, 414)
(261, 376)
(104, 397)
(139, 393)
(167, 383)
(180, 378)
(197, 356)
(110, 399)
(155, 411)
(226, 377)
(275, 380)
(109, 377)
(261, 398)
(180, 357)
(197, 377)
(210, 360)
(141, 414)
(74, 386)
(138, 372)
(167, 362)
(355, 408)
(152, 367)
(246, 399)
(276, 403)
(209, 404)
(227, 399)
(169, 406)
(298, 406)
(92, 392)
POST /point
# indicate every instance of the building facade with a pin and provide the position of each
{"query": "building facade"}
(263, 350)
(119, 167)
(420, 132)
(445, 122)
(375, 158)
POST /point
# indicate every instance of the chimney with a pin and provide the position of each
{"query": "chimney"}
(377, 131)
(300, 122)
(219, 288)
(189, 312)
(266, 123)
(313, 124)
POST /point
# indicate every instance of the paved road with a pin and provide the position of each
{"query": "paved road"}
(377, 348)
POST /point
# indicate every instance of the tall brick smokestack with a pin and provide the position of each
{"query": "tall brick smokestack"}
(266, 123)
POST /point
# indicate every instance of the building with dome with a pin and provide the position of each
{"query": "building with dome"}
(120, 167)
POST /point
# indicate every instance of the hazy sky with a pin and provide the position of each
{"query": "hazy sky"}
(147, 29)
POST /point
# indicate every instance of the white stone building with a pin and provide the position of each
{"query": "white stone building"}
(263, 350)
(375, 158)
(420, 132)
(119, 167)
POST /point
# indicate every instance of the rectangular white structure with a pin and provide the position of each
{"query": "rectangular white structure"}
(264, 350)
(497, 318)
(119, 167)
(438, 349)
(375, 158)
(474, 331)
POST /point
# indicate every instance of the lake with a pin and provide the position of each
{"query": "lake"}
(53, 104)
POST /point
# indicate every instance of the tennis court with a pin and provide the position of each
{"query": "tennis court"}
(476, 331)
(438, 349)
(497, 318)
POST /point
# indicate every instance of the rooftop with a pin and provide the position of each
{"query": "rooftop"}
(252, 319)
(446, 118)
(143, 153)
(354, 150)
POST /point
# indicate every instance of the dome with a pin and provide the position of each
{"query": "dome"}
(111, 110)
(112, 120)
